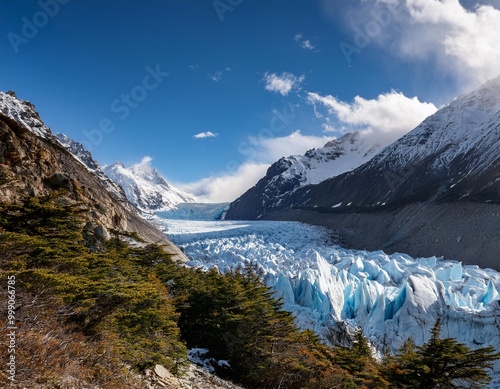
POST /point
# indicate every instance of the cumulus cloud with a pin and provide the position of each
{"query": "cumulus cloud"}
(469, 41)
(461, 40)
(206, 134)
(282, 83)
(260, 152)
(383, 120)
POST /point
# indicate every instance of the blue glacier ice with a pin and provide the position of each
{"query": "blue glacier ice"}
(391, 297)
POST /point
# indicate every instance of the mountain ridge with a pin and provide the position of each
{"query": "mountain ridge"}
(451, 161)
(289, 174)
(145, 188)
(37, 164)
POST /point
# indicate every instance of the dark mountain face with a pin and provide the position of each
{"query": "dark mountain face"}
(266, 196)
(273, 192)
(453, 155)
(450, 161)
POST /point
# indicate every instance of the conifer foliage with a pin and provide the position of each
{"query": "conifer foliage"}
(440, 363)
(133, 307)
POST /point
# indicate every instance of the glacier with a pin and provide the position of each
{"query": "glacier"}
(330, 288)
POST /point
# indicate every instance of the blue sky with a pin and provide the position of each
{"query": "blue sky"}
(215, 91)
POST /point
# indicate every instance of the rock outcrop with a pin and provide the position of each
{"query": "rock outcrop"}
(33, 162)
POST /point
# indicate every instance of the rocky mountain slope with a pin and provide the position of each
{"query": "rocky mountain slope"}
(291, 173)
(448, 166)
(36, 164)
(145, 187)
(33, 162)
(84, 156)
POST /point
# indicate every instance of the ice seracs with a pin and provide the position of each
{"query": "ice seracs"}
(391, 297)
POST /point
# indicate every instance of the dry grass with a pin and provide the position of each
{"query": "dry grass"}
(52, 353)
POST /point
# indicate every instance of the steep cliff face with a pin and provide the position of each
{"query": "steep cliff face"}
(33, 162)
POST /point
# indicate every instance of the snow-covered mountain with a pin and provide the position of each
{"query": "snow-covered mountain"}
(452, 155)
(435, 191)
(335, 157)
(145, 187)
(291, 173)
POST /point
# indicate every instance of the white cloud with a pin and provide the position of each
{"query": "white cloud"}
(269, 150)
(462, 42)
(228, 185)
(282, 83)
(327, 127)
(307, 45)
(217, 76)
(469, 43)
(383, 120)
(206, 134)
(304, 43)
(261, 152)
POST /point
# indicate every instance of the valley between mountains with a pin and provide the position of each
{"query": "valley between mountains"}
(351, 237)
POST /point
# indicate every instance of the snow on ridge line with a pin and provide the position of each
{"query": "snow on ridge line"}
(145, 187)
(392, 297)
(24, 113)
(85, 158)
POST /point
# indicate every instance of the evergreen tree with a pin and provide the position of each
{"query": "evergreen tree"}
(440, 363)
(359, 362)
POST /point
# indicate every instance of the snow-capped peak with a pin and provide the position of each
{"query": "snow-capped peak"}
(336, 157)
(146, 171)
(289, 174)
(468, 125)
(24, 113)
(145, 187)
